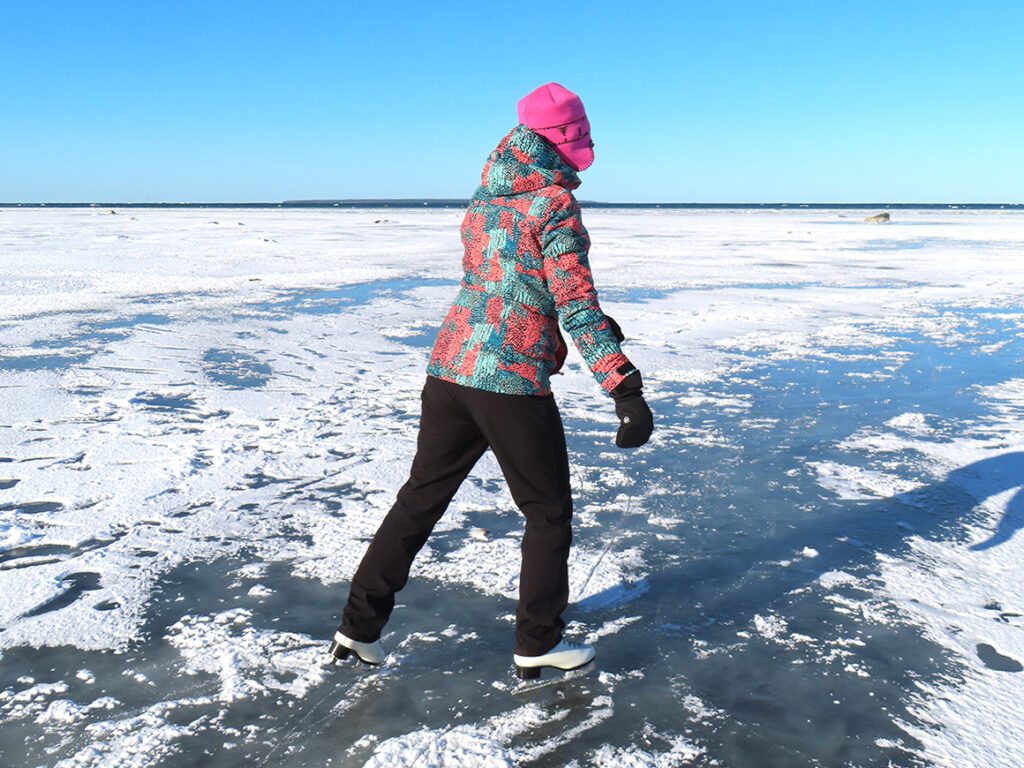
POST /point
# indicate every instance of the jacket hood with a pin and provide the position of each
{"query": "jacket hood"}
(524, 162)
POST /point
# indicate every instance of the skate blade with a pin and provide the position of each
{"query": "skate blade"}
(558, 677)
(338, 652)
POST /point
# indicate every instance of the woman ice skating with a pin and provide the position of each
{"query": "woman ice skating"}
(526, 270)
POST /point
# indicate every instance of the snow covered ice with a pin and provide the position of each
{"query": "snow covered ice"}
(816, 561)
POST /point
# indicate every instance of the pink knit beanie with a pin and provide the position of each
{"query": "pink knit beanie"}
(557, 114)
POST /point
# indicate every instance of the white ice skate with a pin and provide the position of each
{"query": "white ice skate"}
(565, 656)
(368, 653)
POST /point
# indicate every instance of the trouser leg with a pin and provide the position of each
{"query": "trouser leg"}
(528, 440)
(448, 446)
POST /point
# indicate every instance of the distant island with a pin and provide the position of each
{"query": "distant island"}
(400, 202)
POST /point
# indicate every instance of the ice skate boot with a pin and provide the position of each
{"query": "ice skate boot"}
(564, 656)
(368, 653)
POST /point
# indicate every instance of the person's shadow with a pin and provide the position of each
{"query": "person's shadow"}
(938, 511)
(881, 526)
(989, 477)
(778, 707)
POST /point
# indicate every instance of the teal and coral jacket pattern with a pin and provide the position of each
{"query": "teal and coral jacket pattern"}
(526, 269)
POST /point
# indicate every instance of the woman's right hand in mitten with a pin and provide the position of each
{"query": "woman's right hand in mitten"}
(636, 422)
(619, 335)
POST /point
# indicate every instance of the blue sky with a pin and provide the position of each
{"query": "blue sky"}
(707, 102)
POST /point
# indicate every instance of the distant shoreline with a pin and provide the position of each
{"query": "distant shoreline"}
(446, 203)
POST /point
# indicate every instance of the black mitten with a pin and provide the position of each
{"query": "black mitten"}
(619, 335)
(636, 422)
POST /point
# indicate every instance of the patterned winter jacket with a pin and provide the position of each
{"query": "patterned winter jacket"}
(526, 268)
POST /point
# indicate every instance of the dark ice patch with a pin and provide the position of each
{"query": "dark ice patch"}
(47, 553)
(336, 300)
(892, 245)
(8, 482)
(994, 660)
(39, 362)
(155, 401)
(260, 480)
(33, 507)
(236, 369)
(76, 584)
(80, 345)
(635, 294)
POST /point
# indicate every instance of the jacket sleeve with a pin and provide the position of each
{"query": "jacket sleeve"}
(564, 245)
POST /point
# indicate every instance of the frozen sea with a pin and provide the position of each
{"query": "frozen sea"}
(816, 561)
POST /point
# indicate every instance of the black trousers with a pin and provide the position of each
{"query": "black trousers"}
(457, 425)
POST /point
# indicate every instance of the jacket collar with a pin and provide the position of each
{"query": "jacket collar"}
(523, 162)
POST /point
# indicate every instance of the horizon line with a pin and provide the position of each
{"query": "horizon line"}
(462, 202)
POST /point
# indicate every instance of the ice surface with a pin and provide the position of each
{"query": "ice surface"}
(816, 560)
